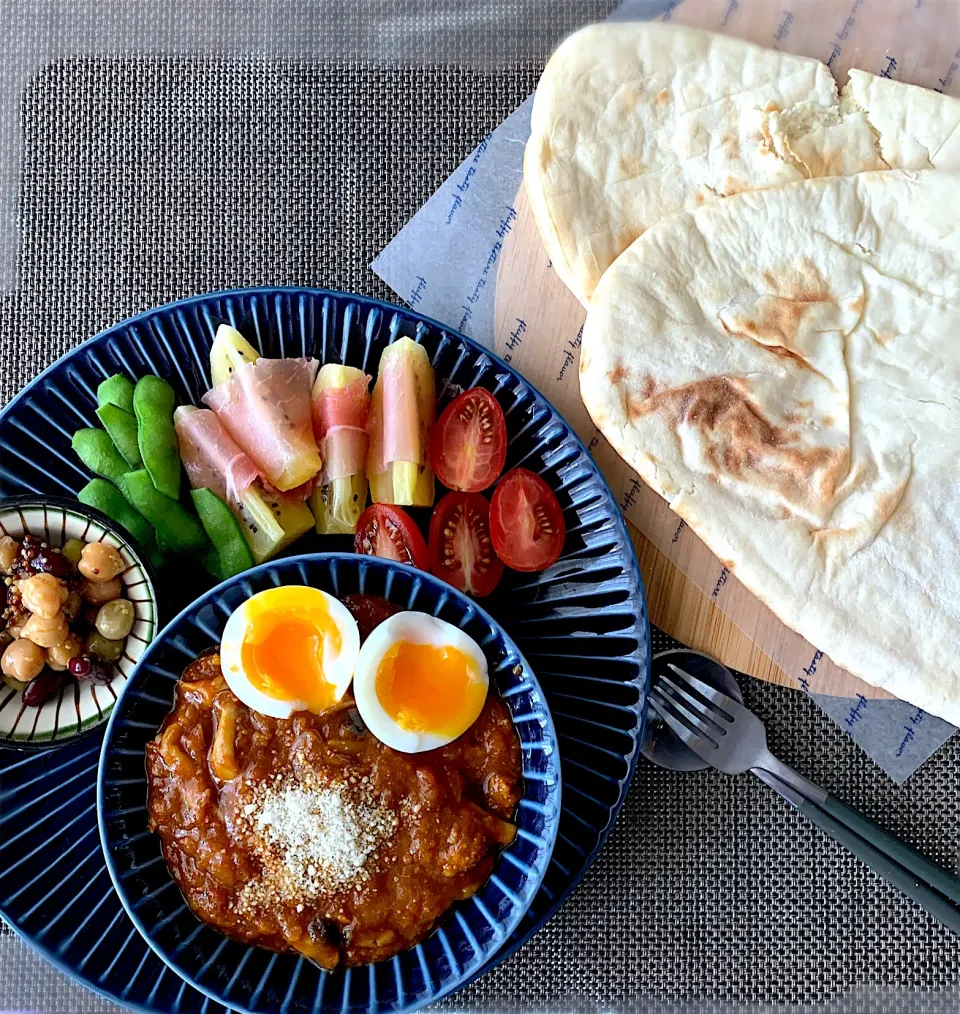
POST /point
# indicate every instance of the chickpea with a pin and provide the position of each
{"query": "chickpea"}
(43, 595)
(59, 655)
(72, 606)
(100, 562)
(9, 551)
(72, 550)
(99, 592)
(22, 660)
(48, 633)
(115, 619)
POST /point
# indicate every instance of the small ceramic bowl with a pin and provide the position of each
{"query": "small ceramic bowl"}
(80, 707)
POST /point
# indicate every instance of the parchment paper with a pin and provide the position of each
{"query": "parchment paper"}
(444, 264)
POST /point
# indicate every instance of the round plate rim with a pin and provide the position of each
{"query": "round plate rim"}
(637, 590)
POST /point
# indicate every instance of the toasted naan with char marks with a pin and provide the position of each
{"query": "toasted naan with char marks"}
(634, 122)
(784, 368)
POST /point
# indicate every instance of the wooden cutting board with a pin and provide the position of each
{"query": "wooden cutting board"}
(691, 594)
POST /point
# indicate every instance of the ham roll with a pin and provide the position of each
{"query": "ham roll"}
(339, 424)
(211, 457)
(265, 407)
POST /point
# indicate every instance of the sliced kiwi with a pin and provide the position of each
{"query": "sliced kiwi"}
(229, 350)
(270, 525)
(337, 505)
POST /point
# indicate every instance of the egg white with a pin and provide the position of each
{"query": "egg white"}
(413, 628)
(337, 669)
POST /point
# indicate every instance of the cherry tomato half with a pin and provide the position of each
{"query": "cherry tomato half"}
(526, 521)
(460, 549)
(468, 443)
(387, 531)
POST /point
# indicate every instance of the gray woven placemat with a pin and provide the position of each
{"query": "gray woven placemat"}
(147, 179)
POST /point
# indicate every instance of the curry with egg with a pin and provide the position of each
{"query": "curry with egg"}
(308, 833)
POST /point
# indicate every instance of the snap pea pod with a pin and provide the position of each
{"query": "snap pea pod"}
(174, 526)
(105, 497)
(99, 453)
(153, 403)
(224, 532)
(122, 427)
(211, 563)
(116, 390)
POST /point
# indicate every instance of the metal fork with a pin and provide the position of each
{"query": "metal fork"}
(732, 739)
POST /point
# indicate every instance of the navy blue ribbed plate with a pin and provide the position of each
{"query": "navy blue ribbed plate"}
(258, 981)
(582, 625)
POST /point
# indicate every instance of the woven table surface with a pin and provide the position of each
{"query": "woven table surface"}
(149, 178)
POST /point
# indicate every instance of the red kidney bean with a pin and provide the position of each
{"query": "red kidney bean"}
(79, 667)
(41, 688)
(52, 561)
(29, 549)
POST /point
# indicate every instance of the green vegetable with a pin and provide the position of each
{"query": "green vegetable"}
(174, 526)
(104, 496)
(72, 549)
(153, 402)
(225, 533)
(99, 453)
(122, 427)
(103, 648)
(116, 390)
(211, 563)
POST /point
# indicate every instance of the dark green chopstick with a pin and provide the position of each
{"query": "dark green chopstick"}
(923, 868)
(939, 906)
(933, 888)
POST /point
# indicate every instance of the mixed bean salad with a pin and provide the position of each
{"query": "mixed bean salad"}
(64, 617)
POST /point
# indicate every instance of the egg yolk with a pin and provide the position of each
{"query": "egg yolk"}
(284, 647)
(430, 688)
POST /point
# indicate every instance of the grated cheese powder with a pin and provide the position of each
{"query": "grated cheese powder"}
(312, 840)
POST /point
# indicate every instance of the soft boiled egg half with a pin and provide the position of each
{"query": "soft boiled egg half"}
(419, 682)
(289, 649)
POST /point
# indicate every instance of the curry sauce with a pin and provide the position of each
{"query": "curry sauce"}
(308, 834)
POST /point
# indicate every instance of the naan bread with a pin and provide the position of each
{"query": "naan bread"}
(784, 368)
(634, 122)
(916, 128)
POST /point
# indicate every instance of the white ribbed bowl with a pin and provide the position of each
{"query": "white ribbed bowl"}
(80, 707)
